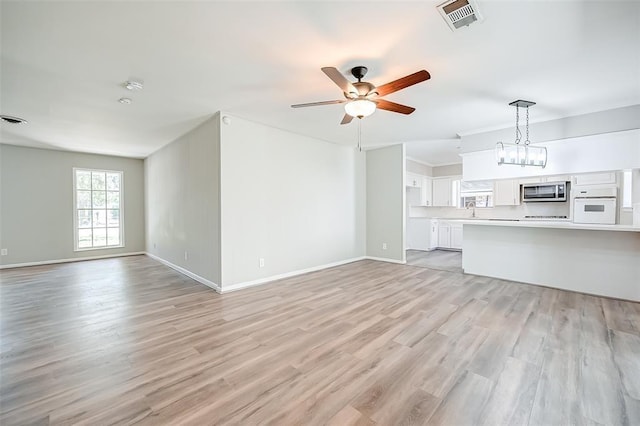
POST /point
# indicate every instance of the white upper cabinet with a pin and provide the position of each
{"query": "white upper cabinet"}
(506, 192)
(442, 192)
(545, 179)
(414, 180)
(595, 178)
(421, 195)
(426, 198)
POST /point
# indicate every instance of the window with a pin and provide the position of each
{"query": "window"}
(97, 209)
(477, 194)
(626, 189)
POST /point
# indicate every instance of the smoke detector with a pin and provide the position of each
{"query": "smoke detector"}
(460, 13)
(133, 85)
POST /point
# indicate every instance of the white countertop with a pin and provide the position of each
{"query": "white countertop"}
(562, 224)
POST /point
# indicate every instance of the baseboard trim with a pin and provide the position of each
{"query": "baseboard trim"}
(186, 272)
(253, 283)
(74, 259)
(384, 259)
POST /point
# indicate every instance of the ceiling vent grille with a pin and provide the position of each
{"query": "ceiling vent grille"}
(459, 13)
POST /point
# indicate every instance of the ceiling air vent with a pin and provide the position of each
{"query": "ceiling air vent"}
(12, 120)
(459, 13)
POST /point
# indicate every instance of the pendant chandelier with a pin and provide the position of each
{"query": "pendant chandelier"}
(521, 153)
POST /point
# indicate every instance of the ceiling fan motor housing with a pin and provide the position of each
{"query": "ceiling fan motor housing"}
(359, 72)
(364, 88)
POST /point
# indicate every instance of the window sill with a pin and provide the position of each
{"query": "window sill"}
(98, 248)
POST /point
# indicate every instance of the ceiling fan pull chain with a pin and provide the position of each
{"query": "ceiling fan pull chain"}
(360, 135)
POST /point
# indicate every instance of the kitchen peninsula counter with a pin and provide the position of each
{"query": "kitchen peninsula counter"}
(596, 259)
(559, 224)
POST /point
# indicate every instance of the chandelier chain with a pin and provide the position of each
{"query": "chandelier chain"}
(526, 142)
(518, 133)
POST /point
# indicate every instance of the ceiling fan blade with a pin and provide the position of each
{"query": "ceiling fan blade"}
(319, 103)
(346, 119)
(403, 82)
(394, 107)
(339, 79)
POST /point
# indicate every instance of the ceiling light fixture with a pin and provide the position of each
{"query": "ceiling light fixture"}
(125, 101)
(133, 85)
(13, 120)
(360, 108)
(521, 153)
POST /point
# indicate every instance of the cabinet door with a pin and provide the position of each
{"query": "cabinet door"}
(456, 236)
(559, 178)
(595, 178)
(524, 181)
(413, 180)
(433, 240)
(426, 198)
(444, 239)
(442, 192)
(506, 192)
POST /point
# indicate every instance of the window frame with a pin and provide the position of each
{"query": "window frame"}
(480, 193)
(75, 209)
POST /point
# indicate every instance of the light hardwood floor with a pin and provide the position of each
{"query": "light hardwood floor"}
(128, 340)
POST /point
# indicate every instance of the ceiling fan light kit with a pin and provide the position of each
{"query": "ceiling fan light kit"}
(521, 153)
(360, 108)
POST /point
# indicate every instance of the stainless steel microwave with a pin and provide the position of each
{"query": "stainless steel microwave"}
(548, 191)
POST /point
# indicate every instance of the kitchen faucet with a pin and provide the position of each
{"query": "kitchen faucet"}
(472, 204)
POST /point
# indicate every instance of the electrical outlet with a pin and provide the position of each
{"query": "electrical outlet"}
(3, 252)
(384, 246)
(261, 262)
(186, 256)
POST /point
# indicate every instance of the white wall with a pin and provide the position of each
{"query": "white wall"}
(295, 201)
(419, 168)
(182, 183)
(603, 152)
(36, 203)
(386, 203)
(613, 120)
(449, 170)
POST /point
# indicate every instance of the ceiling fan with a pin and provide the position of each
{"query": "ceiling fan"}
(362, 98)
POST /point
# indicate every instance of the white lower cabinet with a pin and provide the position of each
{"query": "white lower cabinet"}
(433, 240)
(456, 236)
(444, 235)
(430, 234)
(449, 235)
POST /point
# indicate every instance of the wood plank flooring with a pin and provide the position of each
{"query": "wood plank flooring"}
(130, 341)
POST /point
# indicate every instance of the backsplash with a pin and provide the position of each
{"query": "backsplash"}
(498, 212)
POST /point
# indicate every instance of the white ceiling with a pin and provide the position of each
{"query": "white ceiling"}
(63, 65)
